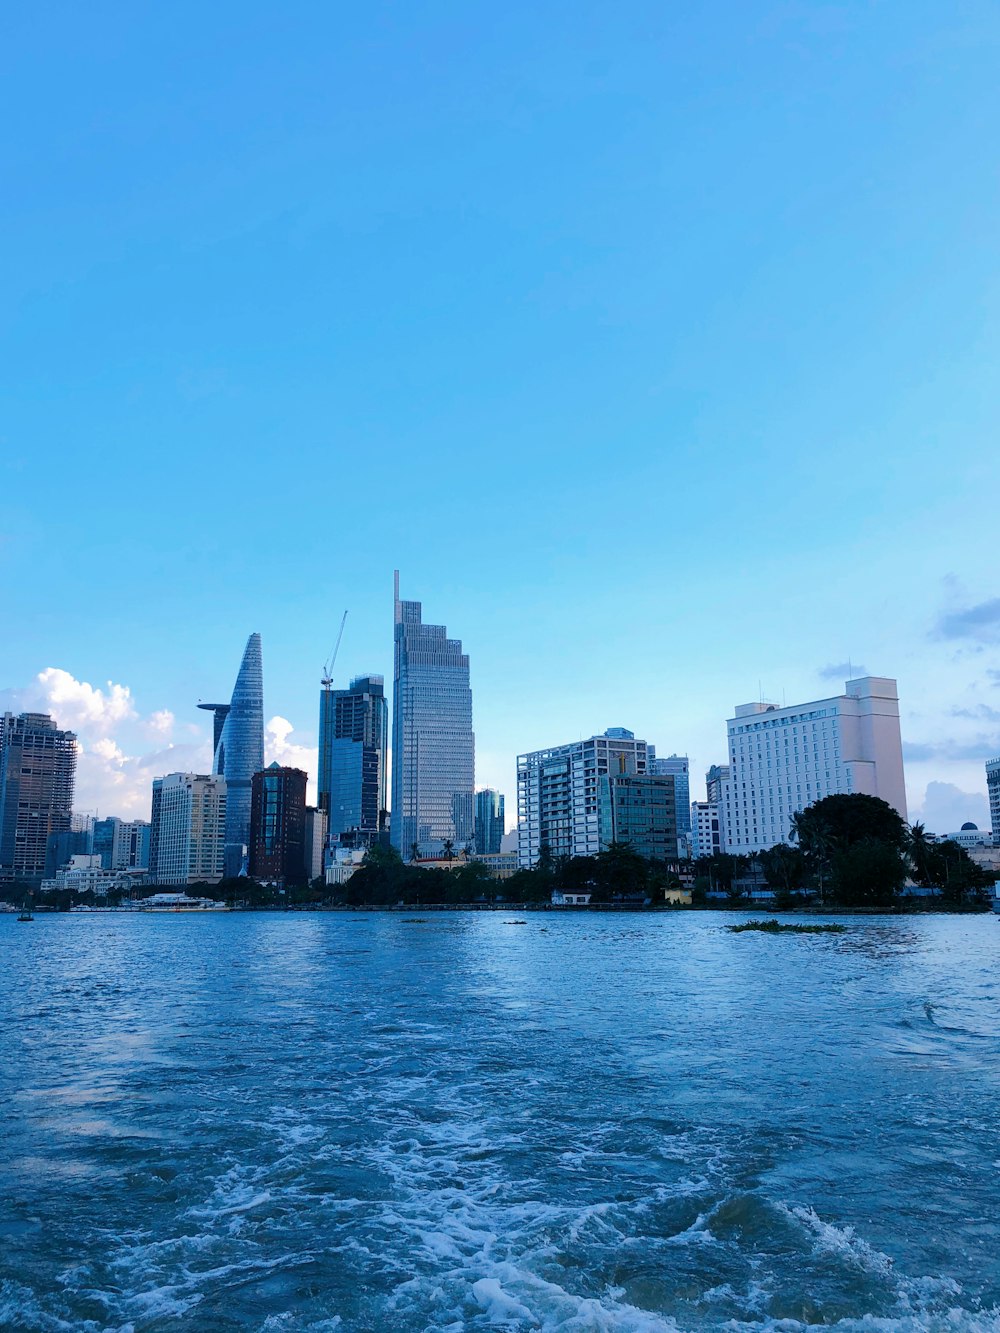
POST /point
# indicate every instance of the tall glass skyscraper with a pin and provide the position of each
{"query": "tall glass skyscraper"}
(489, 821)
(239, 751)
(433, 748)
(353, 734)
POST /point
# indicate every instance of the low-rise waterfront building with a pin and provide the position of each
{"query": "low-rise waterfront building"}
(87, 874)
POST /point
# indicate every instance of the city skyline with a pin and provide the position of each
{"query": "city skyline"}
(106, 774)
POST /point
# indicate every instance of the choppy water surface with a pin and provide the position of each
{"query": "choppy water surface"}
(590, 1122)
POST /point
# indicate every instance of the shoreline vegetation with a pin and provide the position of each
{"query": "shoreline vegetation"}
(847, 854)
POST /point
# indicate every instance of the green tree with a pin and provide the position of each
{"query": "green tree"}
(868, 873)
(448, 849)
(785, 868)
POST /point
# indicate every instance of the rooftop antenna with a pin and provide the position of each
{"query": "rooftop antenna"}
(331, 661)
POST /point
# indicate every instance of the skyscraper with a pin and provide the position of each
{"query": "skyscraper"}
(239, 750)
(489, 821)
(433, 748)
(37, 772)
(353, 732)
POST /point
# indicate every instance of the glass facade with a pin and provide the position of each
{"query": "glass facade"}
(433, 748)
(277, 825)
(676, 766)
(239, 753)
(353, 732)
(489, 821)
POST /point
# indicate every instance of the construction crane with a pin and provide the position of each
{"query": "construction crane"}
(331, 661)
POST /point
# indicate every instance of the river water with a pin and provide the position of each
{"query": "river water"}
(284, 1122)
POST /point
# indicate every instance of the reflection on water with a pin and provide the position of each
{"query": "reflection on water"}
(595, 1122)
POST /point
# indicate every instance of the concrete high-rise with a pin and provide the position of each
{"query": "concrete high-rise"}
(993, 789)
(559, 793)
(187, 829)
(278, 825)
(239, 750)
(37, 773)
(782, 760)
(121, 844)
(433, 747)
(489, 821)
(353, 735)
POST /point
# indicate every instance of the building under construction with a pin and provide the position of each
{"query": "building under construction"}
(37, 772)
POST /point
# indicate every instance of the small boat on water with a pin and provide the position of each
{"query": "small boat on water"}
(25, 916)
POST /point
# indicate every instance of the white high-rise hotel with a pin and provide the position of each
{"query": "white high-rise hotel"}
(783, 759)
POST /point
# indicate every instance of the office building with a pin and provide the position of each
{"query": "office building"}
(676, 766)
(278, 825)
(782, 760)
(188, 829)
(353, 734)
(121, 844)
(706, 829)
(77, 840)
(639, 809)
(559, 793)
(489, 822)
(993, 790)
(314, 842)
(238, 731)
(37, 773)
(433, 748)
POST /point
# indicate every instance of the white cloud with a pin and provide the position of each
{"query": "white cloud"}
(162, 722)
(946, 807)
(280, 747)
(77, 705)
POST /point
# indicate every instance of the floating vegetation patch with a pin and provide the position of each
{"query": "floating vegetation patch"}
(515, 923)
(775, 927)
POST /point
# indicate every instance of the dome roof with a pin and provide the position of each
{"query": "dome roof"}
(970, 828)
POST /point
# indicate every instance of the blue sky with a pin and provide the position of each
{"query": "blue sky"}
(656, 344)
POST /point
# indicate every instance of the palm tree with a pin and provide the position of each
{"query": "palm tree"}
(448, 849)
(815, 838)
(414, 851)
(467, 851)
(918, 850)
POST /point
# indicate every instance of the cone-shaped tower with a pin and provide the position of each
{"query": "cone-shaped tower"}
(239, 752)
